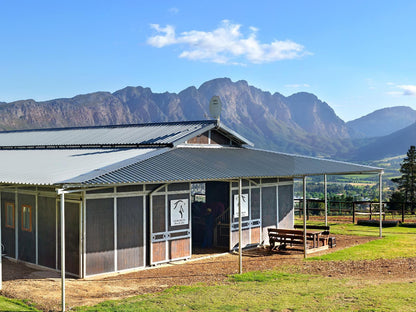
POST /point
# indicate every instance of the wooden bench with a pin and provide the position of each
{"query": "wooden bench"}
(324, 228)
(292, 237)
(325, 239)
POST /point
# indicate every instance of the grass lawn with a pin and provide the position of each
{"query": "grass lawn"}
(281, 291)
(277, 290)
(274, 291)
(397, 242)
(14, 305)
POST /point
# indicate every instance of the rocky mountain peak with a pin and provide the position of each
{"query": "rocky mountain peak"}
(300, 123)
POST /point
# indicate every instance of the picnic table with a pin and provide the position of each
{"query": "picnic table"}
(292, 236)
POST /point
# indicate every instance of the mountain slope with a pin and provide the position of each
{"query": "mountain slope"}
(393, 144)
(300, 123)
(316, 116)
(382, 122)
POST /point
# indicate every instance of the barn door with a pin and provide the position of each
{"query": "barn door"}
(72, 237)
(170, 225)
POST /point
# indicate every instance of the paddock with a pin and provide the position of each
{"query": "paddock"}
(42, 286)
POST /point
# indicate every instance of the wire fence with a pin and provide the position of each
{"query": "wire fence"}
(351, 211)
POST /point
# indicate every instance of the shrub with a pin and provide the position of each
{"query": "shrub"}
(377, 223)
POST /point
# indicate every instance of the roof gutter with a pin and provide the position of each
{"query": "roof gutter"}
(86, 146)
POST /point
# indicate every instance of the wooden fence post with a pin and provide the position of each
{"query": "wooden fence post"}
(370, 211)
(353, 212)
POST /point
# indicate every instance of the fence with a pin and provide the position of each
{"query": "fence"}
(345, 210)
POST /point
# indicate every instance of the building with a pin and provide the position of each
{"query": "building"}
(127, 193)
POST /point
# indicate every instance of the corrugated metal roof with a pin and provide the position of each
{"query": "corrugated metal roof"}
(196, 164)
(49, 167)
(171, 133)
(146, 165)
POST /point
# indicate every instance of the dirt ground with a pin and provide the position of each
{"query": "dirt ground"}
(43, 287)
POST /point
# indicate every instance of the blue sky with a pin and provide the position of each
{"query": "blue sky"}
(358, 56)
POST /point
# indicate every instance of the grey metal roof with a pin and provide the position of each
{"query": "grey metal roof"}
(49, 167)
(154, 134)
(149, 165)
(198, 164)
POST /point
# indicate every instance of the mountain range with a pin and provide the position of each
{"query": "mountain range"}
(300, 123)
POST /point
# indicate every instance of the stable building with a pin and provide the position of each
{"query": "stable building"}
(140, 195)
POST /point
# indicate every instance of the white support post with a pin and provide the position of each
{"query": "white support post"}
(240, 234)
(115, 233)
(84, 235)
(1, 250)
(37, 226)
(62, 248)
(16, 225)
(304, 217)
(326, 199)
(380, 182)
(231, 216)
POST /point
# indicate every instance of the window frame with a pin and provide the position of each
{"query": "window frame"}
(27, 229)
(6, 224)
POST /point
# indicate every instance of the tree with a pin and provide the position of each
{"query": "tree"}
(396, 201)
(407, 182)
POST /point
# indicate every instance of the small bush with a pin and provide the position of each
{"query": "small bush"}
(377, 223)
(408, 225)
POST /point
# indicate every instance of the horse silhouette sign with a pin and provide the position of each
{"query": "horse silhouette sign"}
(179, 211)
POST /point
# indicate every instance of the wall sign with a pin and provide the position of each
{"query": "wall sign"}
(179, 212)
(244, 205)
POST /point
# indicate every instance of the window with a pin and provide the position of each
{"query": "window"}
(27, 218)
(9, 215)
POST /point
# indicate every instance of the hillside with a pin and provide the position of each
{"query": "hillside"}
(393, 144)
(382, 122)
(300, 123)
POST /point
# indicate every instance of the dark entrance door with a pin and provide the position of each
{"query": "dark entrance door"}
(211, 217)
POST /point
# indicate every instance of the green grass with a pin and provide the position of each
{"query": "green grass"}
(397, 242)
(277, 290)
(14, 305)
(388, 247)
(274, 291)
(281, 291)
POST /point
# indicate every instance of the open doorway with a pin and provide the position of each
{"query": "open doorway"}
(210, 217)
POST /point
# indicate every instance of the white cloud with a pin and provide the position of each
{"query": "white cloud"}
(226, 44)
(408, 89)
(401, 90)
(161, 41)
(297, 85)
(173, 11)
(395, 93)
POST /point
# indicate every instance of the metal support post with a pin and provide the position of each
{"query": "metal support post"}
(304, 216)
(240, 234)
(326, 199)
(1, 253)
(63, 249)
(381, 202)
